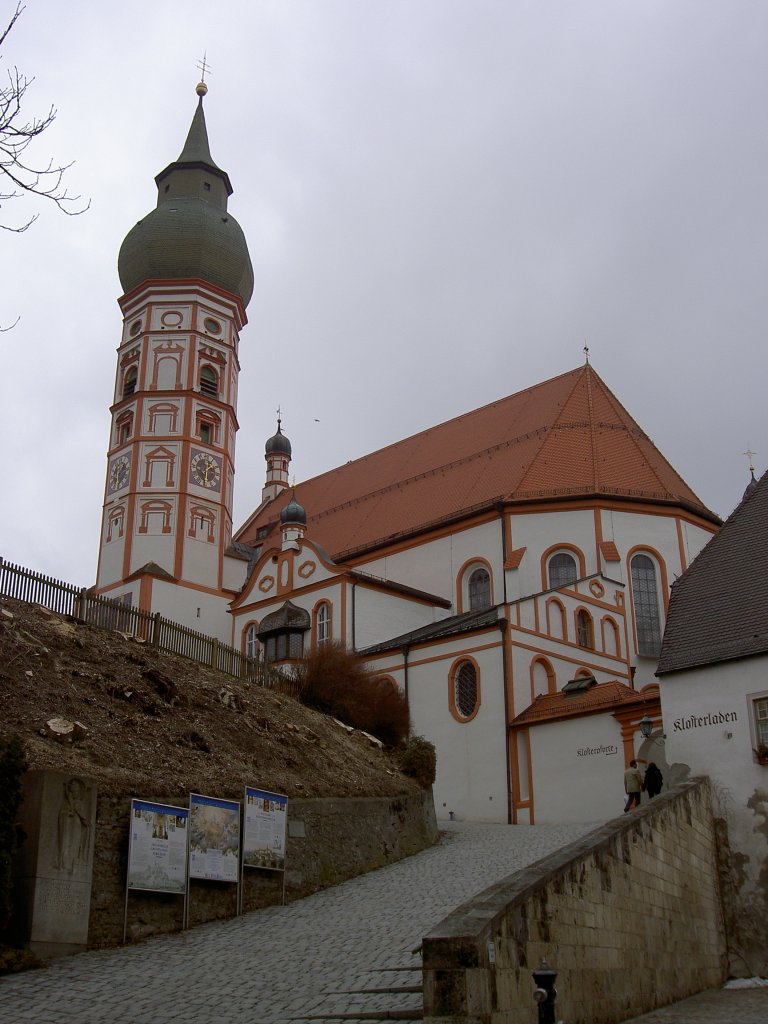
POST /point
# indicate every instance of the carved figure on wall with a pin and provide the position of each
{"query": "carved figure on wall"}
(73, 829)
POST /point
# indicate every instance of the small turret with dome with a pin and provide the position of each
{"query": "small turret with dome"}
(190, 233)
(277, 452)
(293, 523)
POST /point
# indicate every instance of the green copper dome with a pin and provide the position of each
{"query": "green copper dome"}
(189, 233)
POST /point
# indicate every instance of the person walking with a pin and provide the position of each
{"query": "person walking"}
(653, 780)
(633, 784)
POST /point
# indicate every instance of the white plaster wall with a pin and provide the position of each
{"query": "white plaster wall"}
(234, 573)
(205, 613)
(578, 770)
(111, 558)
(157, 548)
(722, 750)
(380, 615)
(200, 561)
(471, 756)
(435, 565)
(539, 531)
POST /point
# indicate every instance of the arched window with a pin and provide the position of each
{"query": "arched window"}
(129, 381)
(209, 381)
(252, 641)
(466, 691)
(561, 570)
(323, 624)
(645, 598)
(584, 634)
(479, 590)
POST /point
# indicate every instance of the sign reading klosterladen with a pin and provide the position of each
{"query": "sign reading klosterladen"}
(702, 721)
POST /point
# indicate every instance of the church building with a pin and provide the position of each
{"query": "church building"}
(508, 570)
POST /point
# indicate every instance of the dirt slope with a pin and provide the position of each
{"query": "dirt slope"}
(159, 725)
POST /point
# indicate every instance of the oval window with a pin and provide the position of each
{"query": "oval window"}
(465, 689)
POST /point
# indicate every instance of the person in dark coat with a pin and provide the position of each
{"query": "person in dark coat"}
(653, 780)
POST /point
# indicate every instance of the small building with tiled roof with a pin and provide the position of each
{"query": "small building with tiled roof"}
(714, 692)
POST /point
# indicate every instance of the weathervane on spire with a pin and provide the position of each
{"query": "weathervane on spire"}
(586, 352)
(750, 455)
(201, 89)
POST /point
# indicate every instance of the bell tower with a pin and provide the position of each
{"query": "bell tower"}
(187, 279)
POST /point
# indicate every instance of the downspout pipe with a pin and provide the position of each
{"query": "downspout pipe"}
(503, 627)
(406, 651)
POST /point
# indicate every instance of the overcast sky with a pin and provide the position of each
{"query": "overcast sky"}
(442, 198)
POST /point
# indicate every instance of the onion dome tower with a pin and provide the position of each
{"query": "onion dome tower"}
(277, 453)
(187, 279)
(293, 523)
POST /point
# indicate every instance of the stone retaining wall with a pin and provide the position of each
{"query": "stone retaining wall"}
(328, 841)
(629, 917)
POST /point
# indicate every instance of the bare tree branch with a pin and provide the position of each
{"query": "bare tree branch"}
(22, 175)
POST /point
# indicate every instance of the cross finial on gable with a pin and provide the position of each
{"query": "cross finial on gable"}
(750, 455)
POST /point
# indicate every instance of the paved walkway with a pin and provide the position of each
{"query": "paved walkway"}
(718, 1006)
(314, 959)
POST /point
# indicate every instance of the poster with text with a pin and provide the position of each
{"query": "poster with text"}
(157, 847)
(214, 838)
(264, 830)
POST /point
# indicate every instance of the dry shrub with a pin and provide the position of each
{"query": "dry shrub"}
(333, 680)
(419, 760)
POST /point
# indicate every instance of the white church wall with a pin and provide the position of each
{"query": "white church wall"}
(708, 721)
(205, 613)
(471, 755)
(111, 557)
(578, 770)
(434, 565)
(537, 532)
(200, 561)
(379, 615)
(234, 572)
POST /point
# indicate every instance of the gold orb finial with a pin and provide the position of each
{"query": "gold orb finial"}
(201, 88)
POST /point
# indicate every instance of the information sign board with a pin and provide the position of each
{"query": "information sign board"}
(157, 847)
(214, 838)
(264, 830)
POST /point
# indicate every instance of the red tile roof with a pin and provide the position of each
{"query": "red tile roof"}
(601, 697)
(567, 437)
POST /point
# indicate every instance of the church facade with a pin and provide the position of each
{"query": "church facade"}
(508, 570)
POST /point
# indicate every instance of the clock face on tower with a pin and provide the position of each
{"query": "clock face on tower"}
(205, 470)
(119, 472)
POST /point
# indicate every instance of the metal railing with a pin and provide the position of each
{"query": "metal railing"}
(107, 613)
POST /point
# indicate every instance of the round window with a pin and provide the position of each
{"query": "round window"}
(465, 689)
(135, 328)
(211, 325)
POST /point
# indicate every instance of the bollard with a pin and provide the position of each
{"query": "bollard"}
(545, 992)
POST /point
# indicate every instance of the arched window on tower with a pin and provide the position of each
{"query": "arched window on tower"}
(129, 381)
(479, 590)
(561, 570)
(645, 599)
(209, 381)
